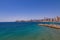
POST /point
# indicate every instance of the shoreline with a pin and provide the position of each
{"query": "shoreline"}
(50, 25)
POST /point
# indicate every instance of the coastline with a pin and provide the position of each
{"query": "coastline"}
(50, 25)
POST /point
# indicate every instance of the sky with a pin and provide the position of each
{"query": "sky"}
(12, 10)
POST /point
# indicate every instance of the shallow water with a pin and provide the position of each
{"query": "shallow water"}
(27, 31)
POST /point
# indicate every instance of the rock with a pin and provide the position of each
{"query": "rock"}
(50, 25)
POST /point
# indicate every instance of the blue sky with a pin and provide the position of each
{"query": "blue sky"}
(11, 10)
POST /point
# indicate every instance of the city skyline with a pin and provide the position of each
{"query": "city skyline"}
(55, 19)
(12, 10)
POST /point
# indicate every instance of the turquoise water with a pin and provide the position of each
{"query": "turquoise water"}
(27, 31)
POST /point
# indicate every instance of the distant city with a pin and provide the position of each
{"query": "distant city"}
(55, 19)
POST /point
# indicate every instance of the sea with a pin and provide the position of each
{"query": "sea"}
(28, 31)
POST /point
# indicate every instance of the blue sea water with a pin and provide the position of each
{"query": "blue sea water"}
(28, 31)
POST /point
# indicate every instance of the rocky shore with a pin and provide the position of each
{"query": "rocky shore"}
(50, 25)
